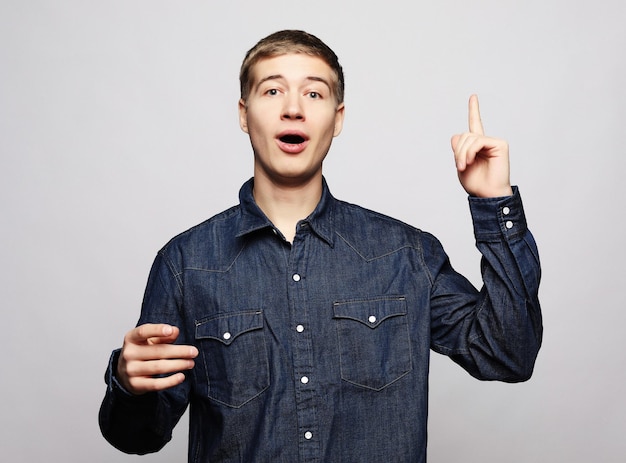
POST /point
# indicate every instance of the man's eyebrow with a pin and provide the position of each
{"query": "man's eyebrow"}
(265, 79)
(280, 76)
(320, 79)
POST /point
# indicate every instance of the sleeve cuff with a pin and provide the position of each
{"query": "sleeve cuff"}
(498, 218)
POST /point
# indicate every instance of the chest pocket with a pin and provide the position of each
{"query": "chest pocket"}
(234, 357)
(373, 338)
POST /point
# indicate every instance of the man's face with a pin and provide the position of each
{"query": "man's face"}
(291, 116)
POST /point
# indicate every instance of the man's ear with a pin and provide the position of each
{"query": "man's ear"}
(339, 115)
(243, 115)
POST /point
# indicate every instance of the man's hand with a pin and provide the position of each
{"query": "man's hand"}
(482, 162)
(148, 351)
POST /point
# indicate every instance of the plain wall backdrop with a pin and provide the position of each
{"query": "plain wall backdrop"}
(118, 130)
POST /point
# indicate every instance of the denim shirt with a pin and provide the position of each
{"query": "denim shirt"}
(318, 351)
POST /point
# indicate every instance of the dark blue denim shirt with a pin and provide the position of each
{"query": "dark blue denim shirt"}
(318, 351)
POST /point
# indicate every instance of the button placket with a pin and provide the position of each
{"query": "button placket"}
(303, 368)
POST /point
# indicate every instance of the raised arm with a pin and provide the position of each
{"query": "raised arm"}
(494, 333)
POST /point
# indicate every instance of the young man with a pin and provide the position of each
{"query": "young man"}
(298, 327)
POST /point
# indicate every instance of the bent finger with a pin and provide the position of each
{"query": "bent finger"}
(146, 352)
(142, 385)
(153, 332)
(152, 368)
(460, 152)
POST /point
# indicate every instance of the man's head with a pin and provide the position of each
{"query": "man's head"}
(291, 106)
(287, 42)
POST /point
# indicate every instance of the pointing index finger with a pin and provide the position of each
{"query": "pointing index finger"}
(475, 124)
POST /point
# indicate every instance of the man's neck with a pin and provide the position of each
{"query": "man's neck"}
(286, 204)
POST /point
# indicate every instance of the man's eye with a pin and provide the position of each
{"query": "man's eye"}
(272, 92)
(314, 95)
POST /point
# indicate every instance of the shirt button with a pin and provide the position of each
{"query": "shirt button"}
(308, 435)
(304, 380)
(506, 210)
(226, 335)
(299, 328)
(296, 277)
(372, 319)
(509, 224)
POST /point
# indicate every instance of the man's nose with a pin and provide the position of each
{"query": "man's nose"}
(293, 109)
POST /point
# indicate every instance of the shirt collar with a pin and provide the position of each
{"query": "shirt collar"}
(253, 218)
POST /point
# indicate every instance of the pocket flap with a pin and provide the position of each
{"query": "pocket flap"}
(370, 312)
(226, 327)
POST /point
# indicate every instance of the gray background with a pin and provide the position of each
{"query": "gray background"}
(118, 129)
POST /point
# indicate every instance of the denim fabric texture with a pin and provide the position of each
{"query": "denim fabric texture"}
(318, 351)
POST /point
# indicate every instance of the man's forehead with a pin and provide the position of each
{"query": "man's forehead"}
(291, 65)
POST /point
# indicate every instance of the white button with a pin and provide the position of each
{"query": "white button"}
(299, 328)
(304, 380)
(296, 277)
(506, 210)
(308, 435)
(509, 224)
(226, 335)
(372, 319)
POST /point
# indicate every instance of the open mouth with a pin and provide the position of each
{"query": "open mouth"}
(292, 139)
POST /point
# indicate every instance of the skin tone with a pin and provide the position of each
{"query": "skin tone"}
(291, 117)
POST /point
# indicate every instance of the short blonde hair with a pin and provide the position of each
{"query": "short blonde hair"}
(290, 41)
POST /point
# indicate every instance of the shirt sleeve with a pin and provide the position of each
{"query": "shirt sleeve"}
(143, 424)
(494, 333)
